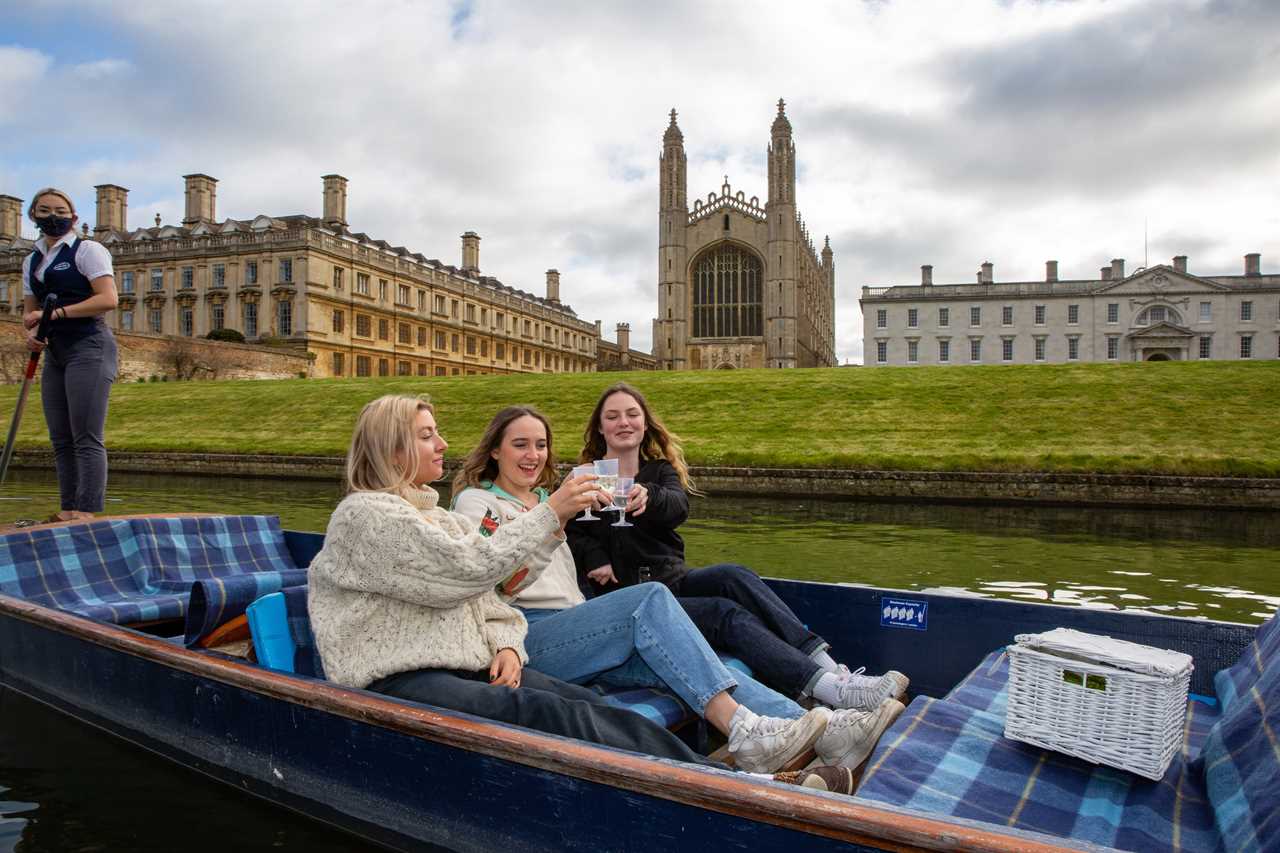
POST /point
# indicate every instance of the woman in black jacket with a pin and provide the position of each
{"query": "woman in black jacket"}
(735, 610)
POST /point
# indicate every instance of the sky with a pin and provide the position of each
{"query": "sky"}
(944, 133)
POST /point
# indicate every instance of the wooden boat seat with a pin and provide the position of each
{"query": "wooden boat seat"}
(949, 756)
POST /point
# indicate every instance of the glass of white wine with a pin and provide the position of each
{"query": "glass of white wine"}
(607, 474)
(620, 501)
(580, 471)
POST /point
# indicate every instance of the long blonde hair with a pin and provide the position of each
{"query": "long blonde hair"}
(480, 464)
(382, 457)
(659, 442)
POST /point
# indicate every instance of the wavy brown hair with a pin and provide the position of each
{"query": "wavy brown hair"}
(382, 457)
(480, 464)
(659, 442)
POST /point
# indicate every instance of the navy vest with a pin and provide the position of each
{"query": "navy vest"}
(63, 278)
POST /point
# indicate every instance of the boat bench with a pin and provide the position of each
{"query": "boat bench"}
(282, 640)
(949, 756)
(140, 570)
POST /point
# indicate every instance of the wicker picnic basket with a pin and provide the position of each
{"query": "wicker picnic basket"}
(1107, 701)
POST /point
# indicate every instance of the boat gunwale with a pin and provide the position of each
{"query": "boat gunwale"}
(876, 825)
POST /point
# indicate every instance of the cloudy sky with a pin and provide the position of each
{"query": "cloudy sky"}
(948, 133)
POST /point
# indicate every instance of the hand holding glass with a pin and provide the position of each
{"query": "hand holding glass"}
(607, 472)
(620, 501)
(582, 471)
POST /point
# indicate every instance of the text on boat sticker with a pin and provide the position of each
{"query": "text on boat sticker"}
(904, 613)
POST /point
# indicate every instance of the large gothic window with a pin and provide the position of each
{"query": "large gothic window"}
(728, 288)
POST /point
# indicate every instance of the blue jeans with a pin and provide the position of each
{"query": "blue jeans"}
(640, 637)
(738, 613)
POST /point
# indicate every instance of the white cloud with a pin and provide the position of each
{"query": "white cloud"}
(944, 133)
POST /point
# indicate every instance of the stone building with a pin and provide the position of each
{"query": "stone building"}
(620, 355)
(1161, 313)
(359, 305)
(740, 285)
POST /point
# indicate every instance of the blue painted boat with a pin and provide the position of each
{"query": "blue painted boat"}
(414, 777)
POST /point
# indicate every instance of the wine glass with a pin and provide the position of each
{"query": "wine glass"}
(607, 474)
(620, 501)
(579, 471)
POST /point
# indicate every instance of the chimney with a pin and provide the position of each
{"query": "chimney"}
(553, 286)
(599, 331)
(1180, 263)
(624, 337)
(470, 252)
(1253, 264)
(10, 218)
(113, 209)
(1050, 270)
(1117, 268)
(335, 201)
(202, 199)
(926, 274)
(987, 275)
(1106, 273)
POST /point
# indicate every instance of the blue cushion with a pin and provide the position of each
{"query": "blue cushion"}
(269, 627)
(658, 706)
(1241, 676)
(136, 570)
(1241, 764)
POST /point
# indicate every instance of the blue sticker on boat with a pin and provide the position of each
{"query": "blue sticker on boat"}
(904, 613)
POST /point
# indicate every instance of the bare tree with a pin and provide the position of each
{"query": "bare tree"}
(187, 360)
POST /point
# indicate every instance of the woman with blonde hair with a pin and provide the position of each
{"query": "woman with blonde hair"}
(402, 595)
(80, 361)
(732, 607)
(638, 637)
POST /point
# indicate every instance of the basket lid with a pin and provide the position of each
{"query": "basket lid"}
(1121, 654)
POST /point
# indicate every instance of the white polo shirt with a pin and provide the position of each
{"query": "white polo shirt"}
(92, 260)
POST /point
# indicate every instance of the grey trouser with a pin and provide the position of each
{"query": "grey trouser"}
(74, 388)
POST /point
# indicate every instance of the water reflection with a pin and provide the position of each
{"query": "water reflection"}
(1216, 564)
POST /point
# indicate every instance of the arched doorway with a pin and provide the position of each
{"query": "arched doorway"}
(1158, 356)
(724, 365)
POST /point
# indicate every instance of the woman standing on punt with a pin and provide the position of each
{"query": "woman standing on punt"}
(732, 607)
(80, 364)
(638, 636)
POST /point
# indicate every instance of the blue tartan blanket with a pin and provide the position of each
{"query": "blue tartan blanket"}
(949, 756)
(137, 570)
(216, 601)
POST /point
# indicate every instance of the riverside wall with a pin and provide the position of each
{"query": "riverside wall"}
(1145, 490)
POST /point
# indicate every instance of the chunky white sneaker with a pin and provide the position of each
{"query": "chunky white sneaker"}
(766, 744)
(851, 735)
(864, 692)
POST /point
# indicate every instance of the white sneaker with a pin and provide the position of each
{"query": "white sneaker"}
(766, 744)
(865, 692)
(851, 735)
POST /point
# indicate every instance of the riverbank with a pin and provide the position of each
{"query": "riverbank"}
(970, 487)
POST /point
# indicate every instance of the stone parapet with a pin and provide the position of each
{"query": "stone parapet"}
(1135, 490)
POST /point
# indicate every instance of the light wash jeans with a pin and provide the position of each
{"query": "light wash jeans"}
(640, 637)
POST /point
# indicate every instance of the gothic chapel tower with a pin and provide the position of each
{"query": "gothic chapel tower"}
(673, 215)
(740, 285)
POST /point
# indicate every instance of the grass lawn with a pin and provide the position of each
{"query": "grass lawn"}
(1205, 418)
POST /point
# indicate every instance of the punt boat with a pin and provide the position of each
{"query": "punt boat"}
(96, 621)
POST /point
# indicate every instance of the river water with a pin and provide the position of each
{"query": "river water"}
(64, 787)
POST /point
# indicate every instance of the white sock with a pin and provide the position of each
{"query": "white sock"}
(822, 659)
(827, 690)
(742, 720)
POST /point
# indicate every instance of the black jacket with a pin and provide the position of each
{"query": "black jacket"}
(652, 540)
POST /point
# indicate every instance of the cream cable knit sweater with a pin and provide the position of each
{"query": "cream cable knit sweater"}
(403, 585)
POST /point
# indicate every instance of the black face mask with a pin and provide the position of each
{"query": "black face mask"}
(53, 226)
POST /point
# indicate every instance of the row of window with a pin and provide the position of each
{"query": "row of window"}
(1204, 349)
(218, 276)
(364, 366)
(217, 319)
(1154, 314)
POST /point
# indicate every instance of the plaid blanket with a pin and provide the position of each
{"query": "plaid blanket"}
(949, 756)
(216, 601)
(136, 570)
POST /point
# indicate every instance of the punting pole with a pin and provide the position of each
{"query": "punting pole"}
(42, 333)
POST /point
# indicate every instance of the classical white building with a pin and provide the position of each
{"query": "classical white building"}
(1155, 314)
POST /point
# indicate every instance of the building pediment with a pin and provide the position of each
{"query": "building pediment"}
(1161, 279)
(1162, 330)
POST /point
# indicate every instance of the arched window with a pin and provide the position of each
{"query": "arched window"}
(728, 290)
(1158, 314)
